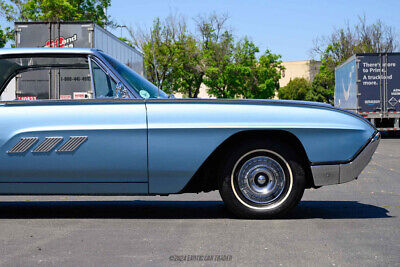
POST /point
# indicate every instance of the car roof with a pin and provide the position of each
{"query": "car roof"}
(47, 50)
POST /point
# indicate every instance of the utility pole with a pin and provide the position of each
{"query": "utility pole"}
(155, 68)
(121, 26)
(105, 19)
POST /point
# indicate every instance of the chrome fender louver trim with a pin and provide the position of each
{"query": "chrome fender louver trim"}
(72, 144)
(47, 145)
(23, 145)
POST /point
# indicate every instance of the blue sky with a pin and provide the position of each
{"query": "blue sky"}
(286, 27)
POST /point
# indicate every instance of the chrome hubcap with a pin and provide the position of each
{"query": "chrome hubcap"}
(261, 179)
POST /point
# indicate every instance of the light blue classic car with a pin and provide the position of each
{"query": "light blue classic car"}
(79, 122)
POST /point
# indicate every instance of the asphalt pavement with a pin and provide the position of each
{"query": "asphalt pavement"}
(354, 224)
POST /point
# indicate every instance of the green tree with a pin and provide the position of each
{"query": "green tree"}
(178, 61)
(268, 73)
(128, 42)
(160, 51)
(296, 89)
(3, 38)
(243, 76)
(217, 47)
(188, 71)
(173, 56)
(232, 70)
(54, 10)
(323, 86)
(343, 43)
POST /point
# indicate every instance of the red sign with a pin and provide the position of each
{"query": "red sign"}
(65, 97)
(62, 42)
(80, 95)
(26, 98)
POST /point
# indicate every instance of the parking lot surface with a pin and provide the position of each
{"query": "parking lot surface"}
(354, 224)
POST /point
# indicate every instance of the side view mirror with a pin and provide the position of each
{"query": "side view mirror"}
(121, 91)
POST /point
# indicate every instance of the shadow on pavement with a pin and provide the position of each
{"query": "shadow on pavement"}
(176, 210)
(337, 210)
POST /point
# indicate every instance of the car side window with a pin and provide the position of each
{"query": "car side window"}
(45, 77)
(104, 85)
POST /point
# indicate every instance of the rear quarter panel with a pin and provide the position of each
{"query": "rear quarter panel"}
(181, 135)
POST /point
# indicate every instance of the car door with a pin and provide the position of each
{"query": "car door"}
(76, 138)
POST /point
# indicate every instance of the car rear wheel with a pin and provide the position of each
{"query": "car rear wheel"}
(262, 179)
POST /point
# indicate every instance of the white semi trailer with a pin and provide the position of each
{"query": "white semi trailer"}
(48, 84)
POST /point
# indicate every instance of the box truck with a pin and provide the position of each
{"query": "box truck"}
(369, 85)
(68, 35)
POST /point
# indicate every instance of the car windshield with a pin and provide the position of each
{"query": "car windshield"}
(142, 86)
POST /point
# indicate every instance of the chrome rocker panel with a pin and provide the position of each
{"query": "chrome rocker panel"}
(343, 173)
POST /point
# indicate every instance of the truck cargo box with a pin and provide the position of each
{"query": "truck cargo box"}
(68, 35)
(369, 84)
(78, 35)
